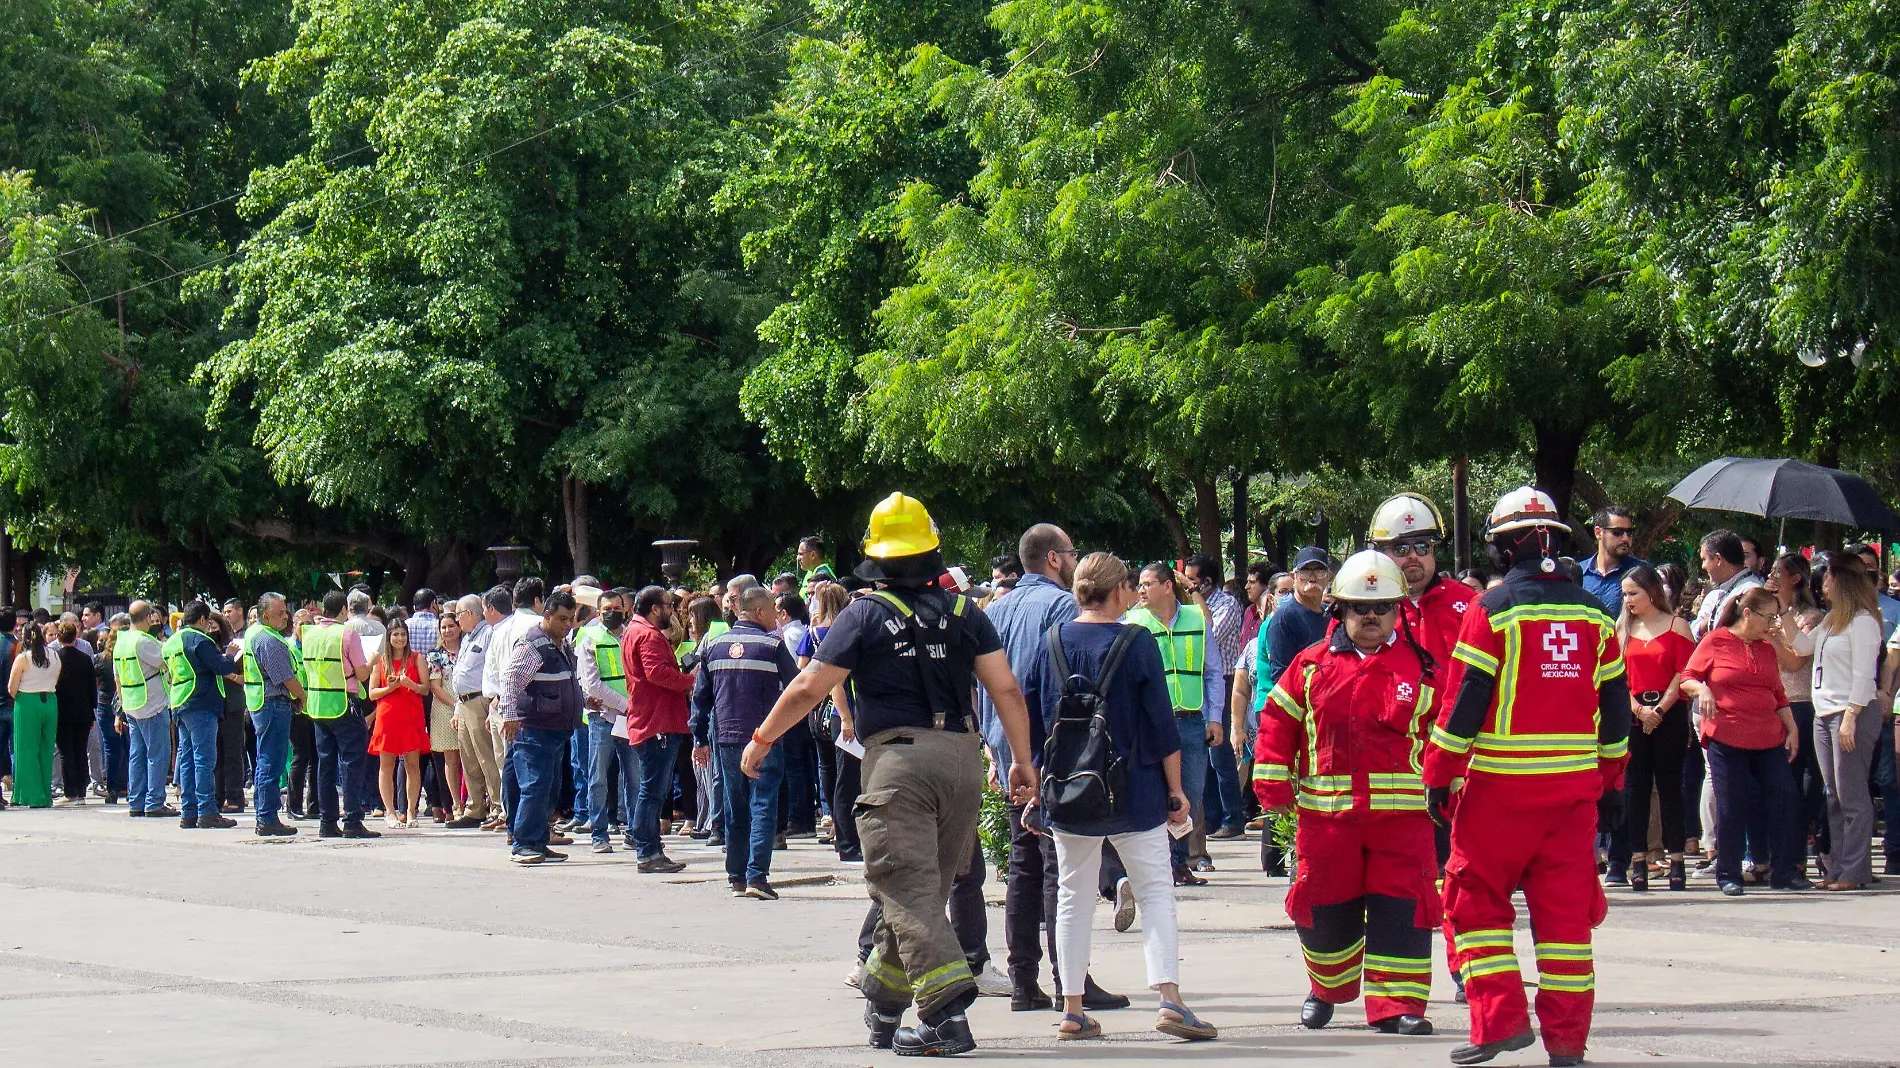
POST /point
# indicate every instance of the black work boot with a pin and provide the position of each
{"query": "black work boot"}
(1315, 1014)
(946, 1037)
(883, 1027)
(1475, 1054)
(1408, 1024)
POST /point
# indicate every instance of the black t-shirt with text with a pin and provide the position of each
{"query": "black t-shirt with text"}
(872, 640)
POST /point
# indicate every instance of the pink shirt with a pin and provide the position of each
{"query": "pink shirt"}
(353, 659)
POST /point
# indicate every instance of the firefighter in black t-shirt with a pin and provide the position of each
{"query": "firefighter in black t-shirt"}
(912, 653)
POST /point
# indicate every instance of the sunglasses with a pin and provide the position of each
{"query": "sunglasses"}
(1620, 532)
(1420, 547)
(1371, 608)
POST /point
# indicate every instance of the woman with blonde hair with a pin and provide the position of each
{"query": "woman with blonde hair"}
(1846, 728)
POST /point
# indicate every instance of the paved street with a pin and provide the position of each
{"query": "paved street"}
(133, 942)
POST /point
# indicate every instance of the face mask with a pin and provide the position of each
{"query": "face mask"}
(1282, 600)
(612, 620)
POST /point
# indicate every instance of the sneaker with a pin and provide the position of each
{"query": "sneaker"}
(551, 857)
(1228, 832)
(779, 843)
(62, 802)
(1124, 904)
(946, 1038)
(737, 886)
(525, 857)
(603, 847)
(716, 839)
(559, 839)
(761, 891)
(1204, 864)
(660, 864)
(991, 983)
(855, 978)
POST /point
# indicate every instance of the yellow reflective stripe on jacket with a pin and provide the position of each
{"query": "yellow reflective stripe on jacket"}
(1326, 803)
(1552, 613)
(1328, 784)
(1615, 750)
(1394, 780)
(1520, 765)
(1272, 773)
(1449, 742)
(1554, 743)
(1608, 670)
(1287, 704)
(1476, 657)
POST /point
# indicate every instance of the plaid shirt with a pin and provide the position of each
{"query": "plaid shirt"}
(1227, 617)
(425, 631)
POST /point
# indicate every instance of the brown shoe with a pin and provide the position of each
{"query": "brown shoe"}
(557, 838)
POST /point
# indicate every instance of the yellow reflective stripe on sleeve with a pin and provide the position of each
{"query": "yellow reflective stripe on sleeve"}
(1287, 704)
(1475, 657)
(1375, 988)
(1615, 750)
(1563, 951)
(1609, 670)
(1554, 765)
(1450, 742)
(1481, 939)
(1567, 984)
(1489, 966)
(1319, 957)
(1272, 773)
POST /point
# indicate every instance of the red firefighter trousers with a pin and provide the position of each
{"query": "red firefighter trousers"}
(1499, 845)
(1365, 903)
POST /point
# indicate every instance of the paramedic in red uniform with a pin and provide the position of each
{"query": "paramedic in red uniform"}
(1536, 720)
(1408, 528)
(1340, 740)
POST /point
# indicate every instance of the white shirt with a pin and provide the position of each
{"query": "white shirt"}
(1847, 665)
(37, 679)
(501, 643)
(588, 669)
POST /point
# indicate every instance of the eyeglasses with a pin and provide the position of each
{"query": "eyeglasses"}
(1067, 552)
(1420, 547)
(1371, 608)
(1620, 532)
(1314, 571)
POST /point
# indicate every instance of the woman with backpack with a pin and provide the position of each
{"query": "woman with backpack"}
(1339, 741)
(1112, 768)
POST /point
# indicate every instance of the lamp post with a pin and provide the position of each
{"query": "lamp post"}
(674, 554)
(507, 563)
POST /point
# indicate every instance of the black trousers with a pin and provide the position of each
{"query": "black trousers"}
(1029, 903)
(231, 772)
(844, 803)
(1656, 761)
(797, 797)
(71, 735)
(303, 766)
(435, 783)
(967, 916)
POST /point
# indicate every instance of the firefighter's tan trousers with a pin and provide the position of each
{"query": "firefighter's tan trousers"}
(916, 814)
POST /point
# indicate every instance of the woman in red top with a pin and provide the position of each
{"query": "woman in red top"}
(1750, 740)
(1656, 647)
(397, 682)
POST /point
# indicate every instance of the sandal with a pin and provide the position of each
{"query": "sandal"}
(1085, 1027)
(1189, 1026)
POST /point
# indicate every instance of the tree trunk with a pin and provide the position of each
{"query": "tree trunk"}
(574, 510)
(451, 565)
(6, 568)
(415, 572)
(1170, 515)
(207, 563)
(1461, 514)
(1555, 464)
(1207, 515)
(1238, 547)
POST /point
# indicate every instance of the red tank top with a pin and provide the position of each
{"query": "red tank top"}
(1651, 664)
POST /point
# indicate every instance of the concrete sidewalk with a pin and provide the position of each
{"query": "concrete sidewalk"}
(132, 942)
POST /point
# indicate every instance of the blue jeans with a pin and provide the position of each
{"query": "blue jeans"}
(657, 755)
(751, 811)
(272, 724)
(1755, 799)
(1193, 728)
(197, 756)
(611, 758)
(536, 758)
(151, 745)
(1889, 786)
(1233, 812)
(342, 752)
(798, 792)
(112, 749)
(581, 762)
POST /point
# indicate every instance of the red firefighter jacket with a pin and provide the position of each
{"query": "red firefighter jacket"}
(1343, 732)
(1537, 691)
(1435, 617)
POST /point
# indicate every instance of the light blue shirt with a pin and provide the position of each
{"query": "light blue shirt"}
(1022, 618)
(1889, 615)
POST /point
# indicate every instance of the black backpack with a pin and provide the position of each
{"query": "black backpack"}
(1084, 780)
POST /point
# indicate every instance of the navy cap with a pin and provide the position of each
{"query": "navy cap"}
(1313, 554)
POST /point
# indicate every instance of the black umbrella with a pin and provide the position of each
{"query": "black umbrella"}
(1785, 489)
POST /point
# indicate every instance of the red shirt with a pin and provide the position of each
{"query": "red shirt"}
(1746, 685)
(656, 687)
(1652, 664)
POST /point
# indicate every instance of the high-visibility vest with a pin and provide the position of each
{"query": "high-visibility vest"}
(180, 677)
(1183, 652)
(324, 695)
(254, 675)
(606, 656)
(129, 671)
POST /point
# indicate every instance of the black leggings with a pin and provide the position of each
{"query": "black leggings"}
(71, 733)
(303, 766)
(1656, 761)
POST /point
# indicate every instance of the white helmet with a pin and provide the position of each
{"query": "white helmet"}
(1407, 513)
(1523, 507)
(1369, 575)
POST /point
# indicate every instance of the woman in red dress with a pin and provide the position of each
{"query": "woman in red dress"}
(397, 682)
(1656, 647)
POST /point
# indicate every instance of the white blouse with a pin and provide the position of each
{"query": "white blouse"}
(36, 679)
(1847, 665)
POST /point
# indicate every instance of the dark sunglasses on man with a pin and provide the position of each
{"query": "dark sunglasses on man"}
(1371, 608)
(1413, 547)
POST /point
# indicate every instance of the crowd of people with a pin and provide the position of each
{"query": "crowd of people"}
(1740, 721)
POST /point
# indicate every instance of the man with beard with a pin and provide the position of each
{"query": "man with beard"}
(656, 719)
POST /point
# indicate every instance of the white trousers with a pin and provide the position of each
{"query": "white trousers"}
(1150, 874)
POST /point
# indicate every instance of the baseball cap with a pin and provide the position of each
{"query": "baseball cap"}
(1312, 555)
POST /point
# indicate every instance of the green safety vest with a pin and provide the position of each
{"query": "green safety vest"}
(606, 656)
(129, 671)
(1183, 652)
(715, 629)
(324, 695)
(254, 675)
(180, 677)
